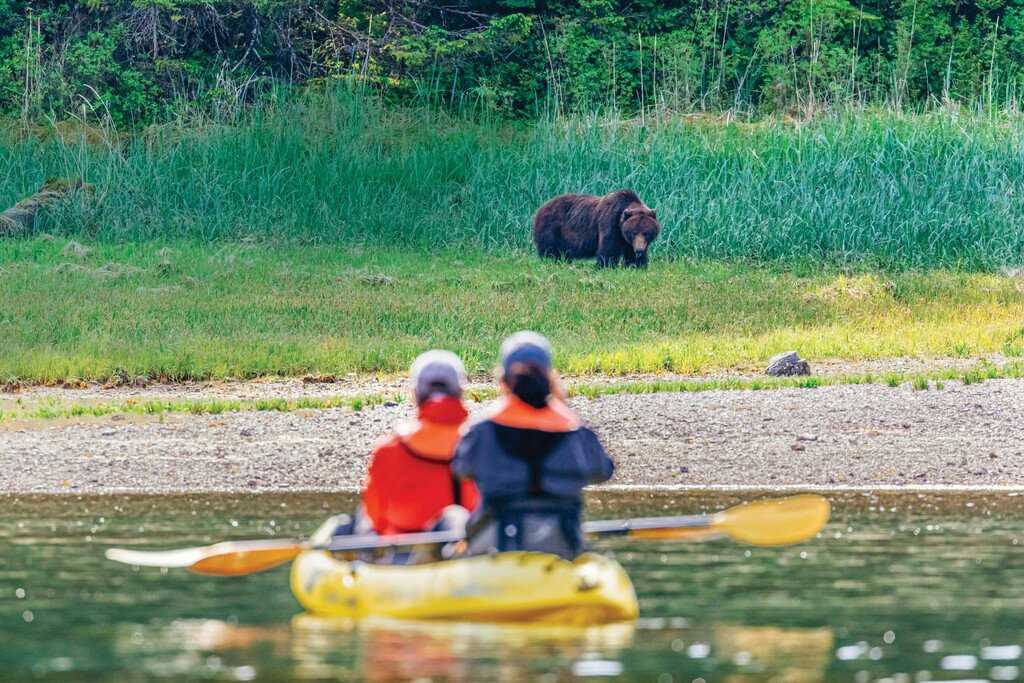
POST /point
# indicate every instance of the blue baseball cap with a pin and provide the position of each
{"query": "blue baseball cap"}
(526, 347)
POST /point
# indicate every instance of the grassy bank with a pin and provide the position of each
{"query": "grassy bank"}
(178, 310)
(876, 188)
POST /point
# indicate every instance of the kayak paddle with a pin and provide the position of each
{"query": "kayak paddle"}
(237, 558)
(782, 521)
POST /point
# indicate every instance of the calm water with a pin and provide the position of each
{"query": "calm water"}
(898, 588)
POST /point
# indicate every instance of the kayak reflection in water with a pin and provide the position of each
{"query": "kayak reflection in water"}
(411, 487)
(530, 458)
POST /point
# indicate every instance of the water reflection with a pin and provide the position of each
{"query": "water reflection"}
(798, 655)
(391, 650)
(908, 588)
(376, 649)
(388, 650)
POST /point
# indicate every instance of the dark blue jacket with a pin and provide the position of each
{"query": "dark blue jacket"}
(510, 462)
(531, 483)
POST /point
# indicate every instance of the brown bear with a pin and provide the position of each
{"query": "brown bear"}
(614, 227)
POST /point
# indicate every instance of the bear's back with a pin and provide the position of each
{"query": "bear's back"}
(566, 226)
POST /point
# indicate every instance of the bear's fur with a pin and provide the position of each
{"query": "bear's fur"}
(615, 227)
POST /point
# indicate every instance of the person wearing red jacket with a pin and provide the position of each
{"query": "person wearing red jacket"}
(410, 483)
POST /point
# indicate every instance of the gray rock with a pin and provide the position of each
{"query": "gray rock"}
(787, 365)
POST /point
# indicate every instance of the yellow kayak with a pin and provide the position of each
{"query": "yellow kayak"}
(506, 587)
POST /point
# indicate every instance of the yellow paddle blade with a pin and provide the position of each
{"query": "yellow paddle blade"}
(774, 522)
(236, 562)
(230, 558)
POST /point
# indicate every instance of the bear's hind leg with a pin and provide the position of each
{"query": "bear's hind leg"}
(552, 253)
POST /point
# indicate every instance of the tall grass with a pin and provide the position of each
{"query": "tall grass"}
(894, 190)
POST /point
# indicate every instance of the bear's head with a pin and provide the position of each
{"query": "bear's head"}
(639, 228)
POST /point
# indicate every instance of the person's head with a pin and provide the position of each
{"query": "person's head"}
(437, 374)
(526, 368)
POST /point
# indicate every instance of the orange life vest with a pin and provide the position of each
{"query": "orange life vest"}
(512, 411)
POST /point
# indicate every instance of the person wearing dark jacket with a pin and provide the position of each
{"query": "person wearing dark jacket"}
(530, 459)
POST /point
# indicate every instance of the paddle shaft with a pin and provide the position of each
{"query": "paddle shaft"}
(373, 542)
(596, 528)
(624, 526)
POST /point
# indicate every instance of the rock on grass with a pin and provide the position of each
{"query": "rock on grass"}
(788, 364)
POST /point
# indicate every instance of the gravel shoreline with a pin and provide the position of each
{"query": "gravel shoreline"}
(835, 436)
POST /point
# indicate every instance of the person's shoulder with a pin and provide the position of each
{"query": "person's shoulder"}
(477, 424)
(588, 437)
(388, 446)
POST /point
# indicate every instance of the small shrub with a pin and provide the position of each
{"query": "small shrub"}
(1014, 344)
(960, 350)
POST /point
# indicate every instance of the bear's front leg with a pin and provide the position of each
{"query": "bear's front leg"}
(608, 254)
(638, 260)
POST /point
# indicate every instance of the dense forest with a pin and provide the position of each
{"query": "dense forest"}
(139, 61)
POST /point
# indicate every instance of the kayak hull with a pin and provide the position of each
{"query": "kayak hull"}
(505, 587)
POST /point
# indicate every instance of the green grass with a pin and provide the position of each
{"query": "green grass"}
(56, 409)
(182, 310)
(329, 235)
(901, 191)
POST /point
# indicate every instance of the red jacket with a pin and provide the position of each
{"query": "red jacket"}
(411, 479)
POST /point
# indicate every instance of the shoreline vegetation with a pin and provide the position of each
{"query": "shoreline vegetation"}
(936, 380)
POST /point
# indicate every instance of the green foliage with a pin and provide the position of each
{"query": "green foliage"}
(143, 60)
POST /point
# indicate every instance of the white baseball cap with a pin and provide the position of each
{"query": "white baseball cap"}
(437, 372)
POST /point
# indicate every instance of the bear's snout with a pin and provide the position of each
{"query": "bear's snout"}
(640, 245)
